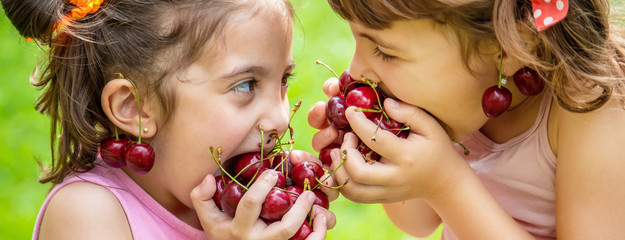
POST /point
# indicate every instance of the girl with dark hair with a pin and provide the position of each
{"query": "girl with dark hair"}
(171, 79)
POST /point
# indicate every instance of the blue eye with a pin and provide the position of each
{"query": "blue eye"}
(246, 86)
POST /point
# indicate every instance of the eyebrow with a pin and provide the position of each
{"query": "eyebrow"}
(257, 70)
(378, 41)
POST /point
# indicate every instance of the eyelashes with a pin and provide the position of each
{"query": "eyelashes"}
(249, 85)
(287, 77)
(382, 55)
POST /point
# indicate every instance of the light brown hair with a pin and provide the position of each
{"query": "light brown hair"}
(580, 57)
(146, 40)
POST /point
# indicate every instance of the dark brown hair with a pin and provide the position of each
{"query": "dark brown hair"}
(580, 57)
(146, 40)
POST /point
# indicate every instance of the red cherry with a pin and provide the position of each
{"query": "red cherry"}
(321, 199)
(496, 101)
(324, 154)
(369, 155)
(112, 152)
(294, 192)
(276, 204)
(249, 165)
(230, 198)
(306, 170)
(528, 81)
(281, 183)
(220, 182)
(336, 113)
(363, 97)
(139, 157)
(386, 123)
(346, 82)
(303, 232)
(282, 162)
(403, 134)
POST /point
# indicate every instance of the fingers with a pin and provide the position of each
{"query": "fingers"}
(293, 219)
(317, 116)
(385, 143)
(202, 200)
(328, 181)
(324, 138)
(414, 117)
(298, 156)
(251, 203)
(362, 172)
(319, 229)
(331, 87)
(329, 217)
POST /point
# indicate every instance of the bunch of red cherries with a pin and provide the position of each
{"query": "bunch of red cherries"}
(364, 95)
(239, 172)
(119, 152)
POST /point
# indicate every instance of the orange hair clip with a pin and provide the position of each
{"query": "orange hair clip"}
(83, 7)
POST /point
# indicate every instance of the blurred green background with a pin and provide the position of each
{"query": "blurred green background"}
(24, 133)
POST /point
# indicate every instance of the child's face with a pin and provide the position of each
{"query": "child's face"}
(223, 97)
(426, 70)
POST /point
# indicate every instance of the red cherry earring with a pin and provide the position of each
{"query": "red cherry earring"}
(528, 81)
(497, 99)
(139, 157)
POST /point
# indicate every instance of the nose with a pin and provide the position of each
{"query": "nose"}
(274, 121)
(359, 67)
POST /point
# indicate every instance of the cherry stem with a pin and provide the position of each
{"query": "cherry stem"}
(377, 96)
(223, 171)
(500, 66)
(328, 67)
(138, 102)
(343, 158)
(116, 135)
(466, 151)
(262, 151)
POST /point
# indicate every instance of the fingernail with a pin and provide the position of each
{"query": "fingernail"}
(323, 220)
(272, 174)
(392, 103)
(311, 197)
(333, 155)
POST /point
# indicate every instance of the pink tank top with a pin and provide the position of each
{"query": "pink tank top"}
(147, 218)
(520, 174)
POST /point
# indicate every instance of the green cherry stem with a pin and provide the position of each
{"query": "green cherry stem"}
(500, 66)
(138, 102)
(223, 171)
(116, 135)
(328, 67)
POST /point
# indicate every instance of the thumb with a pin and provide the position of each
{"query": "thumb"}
(419, 121)
(203, 204)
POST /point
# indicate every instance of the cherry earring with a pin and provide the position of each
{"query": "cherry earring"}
(139, 157)
(497, 99)
(528, 81)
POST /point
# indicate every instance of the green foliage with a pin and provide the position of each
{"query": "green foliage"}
(24, 133)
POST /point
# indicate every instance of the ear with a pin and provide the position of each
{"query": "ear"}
(511, 65)
(119, 102)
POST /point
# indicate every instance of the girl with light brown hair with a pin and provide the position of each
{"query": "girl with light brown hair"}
(532, 89)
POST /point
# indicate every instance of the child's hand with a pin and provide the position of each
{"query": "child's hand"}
(301, 156)
(246, 224)
(317, 118)
(419, 166)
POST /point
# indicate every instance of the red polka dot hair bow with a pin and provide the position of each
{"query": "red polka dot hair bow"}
(549, 12)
